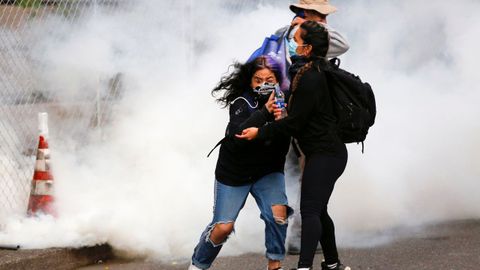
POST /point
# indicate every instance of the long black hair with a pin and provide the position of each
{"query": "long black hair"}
(239, 80)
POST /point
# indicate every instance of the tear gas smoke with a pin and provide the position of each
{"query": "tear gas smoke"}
(147, 188)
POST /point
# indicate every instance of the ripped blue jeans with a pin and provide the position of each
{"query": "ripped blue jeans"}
(229, 200)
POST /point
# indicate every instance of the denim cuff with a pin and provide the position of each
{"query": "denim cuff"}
(275, 257)
(200, 265)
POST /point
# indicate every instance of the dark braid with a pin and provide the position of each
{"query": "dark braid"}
(300, 74)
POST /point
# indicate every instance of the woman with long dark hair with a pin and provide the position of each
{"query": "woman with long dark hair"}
(312, 121)
(248, 167)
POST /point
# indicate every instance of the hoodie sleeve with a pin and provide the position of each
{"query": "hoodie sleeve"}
(241, 118)
(338, 43)
(303, 103)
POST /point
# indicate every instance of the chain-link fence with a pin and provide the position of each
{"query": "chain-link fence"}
(24, 26)
(22, 97)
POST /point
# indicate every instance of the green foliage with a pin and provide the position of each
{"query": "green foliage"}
(29, 3)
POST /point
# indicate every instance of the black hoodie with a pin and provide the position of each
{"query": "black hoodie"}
(242, 162)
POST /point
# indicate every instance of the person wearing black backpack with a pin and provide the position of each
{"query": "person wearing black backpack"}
(312, 121)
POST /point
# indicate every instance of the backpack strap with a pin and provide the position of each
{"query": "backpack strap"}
(335, 62)
(219, 142)
(296, 148)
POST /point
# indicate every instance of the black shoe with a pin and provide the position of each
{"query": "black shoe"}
(339, 267)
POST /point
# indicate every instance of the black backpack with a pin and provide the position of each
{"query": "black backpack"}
(353, 102)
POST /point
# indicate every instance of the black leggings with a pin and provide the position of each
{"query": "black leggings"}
(319, 176)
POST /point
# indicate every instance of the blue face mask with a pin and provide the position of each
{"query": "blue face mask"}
(292, 47)
(300, 13)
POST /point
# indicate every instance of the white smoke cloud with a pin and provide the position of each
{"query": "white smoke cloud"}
(147, 188)
(419, 166)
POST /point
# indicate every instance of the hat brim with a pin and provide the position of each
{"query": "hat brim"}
(323, 9)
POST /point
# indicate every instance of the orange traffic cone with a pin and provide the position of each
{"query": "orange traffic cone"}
(41, 194)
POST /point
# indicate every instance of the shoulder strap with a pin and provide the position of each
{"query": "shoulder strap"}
(296, 148)
(335, 62)
(219, 142)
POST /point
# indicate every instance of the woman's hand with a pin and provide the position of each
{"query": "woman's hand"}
(248, 134)
(277, 112)
(270, 102)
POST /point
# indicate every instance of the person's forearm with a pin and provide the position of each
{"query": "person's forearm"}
(302, 104)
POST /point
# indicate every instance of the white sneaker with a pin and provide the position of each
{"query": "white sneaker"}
(338, 267)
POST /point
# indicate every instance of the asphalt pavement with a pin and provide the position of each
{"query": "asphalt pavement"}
(451, 246)
(53, 258)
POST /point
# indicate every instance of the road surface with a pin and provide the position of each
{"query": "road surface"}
(452, 246)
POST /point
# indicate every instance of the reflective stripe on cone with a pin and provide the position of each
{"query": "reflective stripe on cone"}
(41, 193)
(42, 188)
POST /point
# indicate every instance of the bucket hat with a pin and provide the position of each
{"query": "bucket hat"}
(321, 6)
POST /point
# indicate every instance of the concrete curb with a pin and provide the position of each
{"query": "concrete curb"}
(53, 258)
